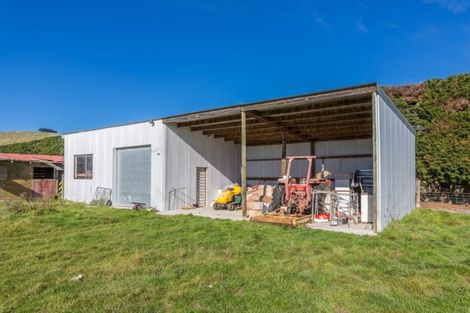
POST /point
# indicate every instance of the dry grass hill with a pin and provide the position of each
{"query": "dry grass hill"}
(7, 138)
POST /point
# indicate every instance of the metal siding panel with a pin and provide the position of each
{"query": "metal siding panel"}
(273, 168)
(101, 143)
(322, 148)
(396, 168)
(187, 150)
(343, 147)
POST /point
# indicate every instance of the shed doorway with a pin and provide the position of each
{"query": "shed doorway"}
(201, 186)
(133, 176)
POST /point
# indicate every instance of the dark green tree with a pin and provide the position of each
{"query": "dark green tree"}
(439, 109)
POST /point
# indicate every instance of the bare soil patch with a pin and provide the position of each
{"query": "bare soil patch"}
(446, 207)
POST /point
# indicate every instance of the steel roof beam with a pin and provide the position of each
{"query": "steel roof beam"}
(298, 127)
(347, 130)
(277, 141)
(307, 118)
(285, 112)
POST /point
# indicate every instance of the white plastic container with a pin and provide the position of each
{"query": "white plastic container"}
(366, 208)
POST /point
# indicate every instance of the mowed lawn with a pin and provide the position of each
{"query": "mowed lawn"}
(138, 262)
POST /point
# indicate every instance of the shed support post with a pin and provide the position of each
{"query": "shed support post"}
(375, 169)
(418, 193)
(312, 152)
(284, 155)
(243, 169)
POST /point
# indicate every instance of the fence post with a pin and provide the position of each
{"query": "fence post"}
(418, 193)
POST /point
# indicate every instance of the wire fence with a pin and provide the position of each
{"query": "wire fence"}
(447, 197)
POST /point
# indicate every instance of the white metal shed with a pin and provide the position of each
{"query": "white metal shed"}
(174, 159)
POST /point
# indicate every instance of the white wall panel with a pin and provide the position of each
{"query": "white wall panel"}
(102, 143)
(187, 150)
(272, 168)
(344, 147)
(322, 148)
(396, 178)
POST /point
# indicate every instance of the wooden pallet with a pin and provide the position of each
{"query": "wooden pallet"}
(289, 220)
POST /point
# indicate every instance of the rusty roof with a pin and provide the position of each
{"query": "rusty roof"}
(18, 157)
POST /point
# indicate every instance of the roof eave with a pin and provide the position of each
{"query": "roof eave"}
(273, 103)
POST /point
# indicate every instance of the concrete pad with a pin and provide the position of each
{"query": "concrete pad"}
(208, 212)
(355, 229)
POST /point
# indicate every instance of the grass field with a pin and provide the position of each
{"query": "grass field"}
(138, 262)
(7, 138)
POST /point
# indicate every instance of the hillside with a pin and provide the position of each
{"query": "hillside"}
(53, 145)
(439, 109)
(7, 138)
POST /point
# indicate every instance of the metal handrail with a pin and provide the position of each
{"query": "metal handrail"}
(176, 194)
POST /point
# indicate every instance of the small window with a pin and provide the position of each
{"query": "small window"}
(83, 167)
(43, 173)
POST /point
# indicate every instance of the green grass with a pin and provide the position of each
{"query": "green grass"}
(8, 138)
(139, 262)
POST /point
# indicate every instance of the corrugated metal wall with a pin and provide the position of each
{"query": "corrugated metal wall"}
(176, 152)
(102, 144)
(395, 148)
(322, 148)
(344, 147)
(188, 150)
(273, 168)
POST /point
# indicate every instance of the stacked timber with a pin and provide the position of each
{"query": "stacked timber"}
(258, 199)
(280, 219)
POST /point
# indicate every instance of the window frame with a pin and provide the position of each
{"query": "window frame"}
(43, 172)
(85, 175)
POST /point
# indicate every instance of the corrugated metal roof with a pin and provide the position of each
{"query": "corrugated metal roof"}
(331, 92)
(18, 157)
(284, 100)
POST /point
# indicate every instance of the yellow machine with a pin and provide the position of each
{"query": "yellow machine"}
(229, 199)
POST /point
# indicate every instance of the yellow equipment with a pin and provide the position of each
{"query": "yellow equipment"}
(229, 199)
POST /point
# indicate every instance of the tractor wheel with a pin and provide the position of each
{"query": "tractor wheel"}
(220, 206)
(278, 197)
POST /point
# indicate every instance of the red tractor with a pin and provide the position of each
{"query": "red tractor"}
(292, 195)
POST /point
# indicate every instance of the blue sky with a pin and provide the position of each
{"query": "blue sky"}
(73, 65)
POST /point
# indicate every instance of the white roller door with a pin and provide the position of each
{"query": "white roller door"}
(133, 175)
